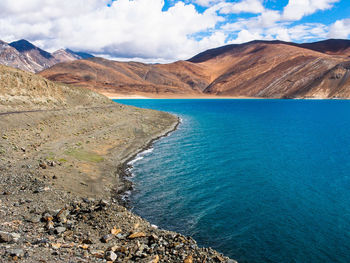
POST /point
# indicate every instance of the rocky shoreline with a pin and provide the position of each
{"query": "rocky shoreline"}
(62, 173)
(124, 169)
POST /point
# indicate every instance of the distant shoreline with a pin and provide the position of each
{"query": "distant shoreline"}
(210, 97)
(147, 96)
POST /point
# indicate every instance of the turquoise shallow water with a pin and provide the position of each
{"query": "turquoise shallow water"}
(259, 180)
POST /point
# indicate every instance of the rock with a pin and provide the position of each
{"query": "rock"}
(110, 256)
(16, 253)
(107, 238)
(62, 215)
(219, 258)
(97, 253)
(40, 241)
(59, 230)
(120, 236)
(153, 259)
(115, 231)
(42, 165)
(8, 237)
(104, 203)
(23, 149)
(49, 225)
(52, 163)
(136, 235)
(88, 200)
(33, 219)
(84, 246)
(47, 217)
(232, 261)
(87, 241)
(56, 245)
(188, 259)
(15, 236)
(153, 237)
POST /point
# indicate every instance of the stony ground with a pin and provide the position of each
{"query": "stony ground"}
(60, 185)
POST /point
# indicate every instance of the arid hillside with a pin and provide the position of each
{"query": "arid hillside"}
(109, 77)
(22, 90)
(267, 69)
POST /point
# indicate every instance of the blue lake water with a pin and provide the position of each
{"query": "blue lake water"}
(259, 180)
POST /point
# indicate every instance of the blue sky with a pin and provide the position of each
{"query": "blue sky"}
(168, 30)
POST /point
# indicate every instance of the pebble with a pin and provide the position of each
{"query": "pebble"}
(59, 230)
(107, 238)
(111, 256)
(32, 219)
(137, 235)
(6, 237)
(16, 253)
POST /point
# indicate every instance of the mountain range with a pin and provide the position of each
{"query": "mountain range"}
(257, 69)
(24, 55)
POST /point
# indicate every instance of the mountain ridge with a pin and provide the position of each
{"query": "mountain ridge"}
(257, 69)
(22, 54)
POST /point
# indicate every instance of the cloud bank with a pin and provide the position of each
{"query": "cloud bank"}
(143, 29)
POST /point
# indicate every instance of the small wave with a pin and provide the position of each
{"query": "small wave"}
(147, 151)
(138, 158)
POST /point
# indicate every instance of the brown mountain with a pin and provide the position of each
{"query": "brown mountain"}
(109, 77)
(267, 69)
(62, 55)
(24, 55)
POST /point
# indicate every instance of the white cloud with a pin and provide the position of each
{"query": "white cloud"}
(206, 2)
(244, 6)
(246, 36)
(268, 26)
(141, 29)
(297, 9)
(128, 28)
(340, 29)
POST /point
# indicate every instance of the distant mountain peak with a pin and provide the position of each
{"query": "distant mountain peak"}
(25, 46)
(83, 55)
(24, 55)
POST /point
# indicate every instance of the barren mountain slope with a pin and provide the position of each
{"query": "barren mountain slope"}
(9, 56)
(268, 69)
(108, 77)
(62, 55)
(330, 46)
(39, 58)
(26, 56)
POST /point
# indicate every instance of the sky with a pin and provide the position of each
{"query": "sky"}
(168, 30)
